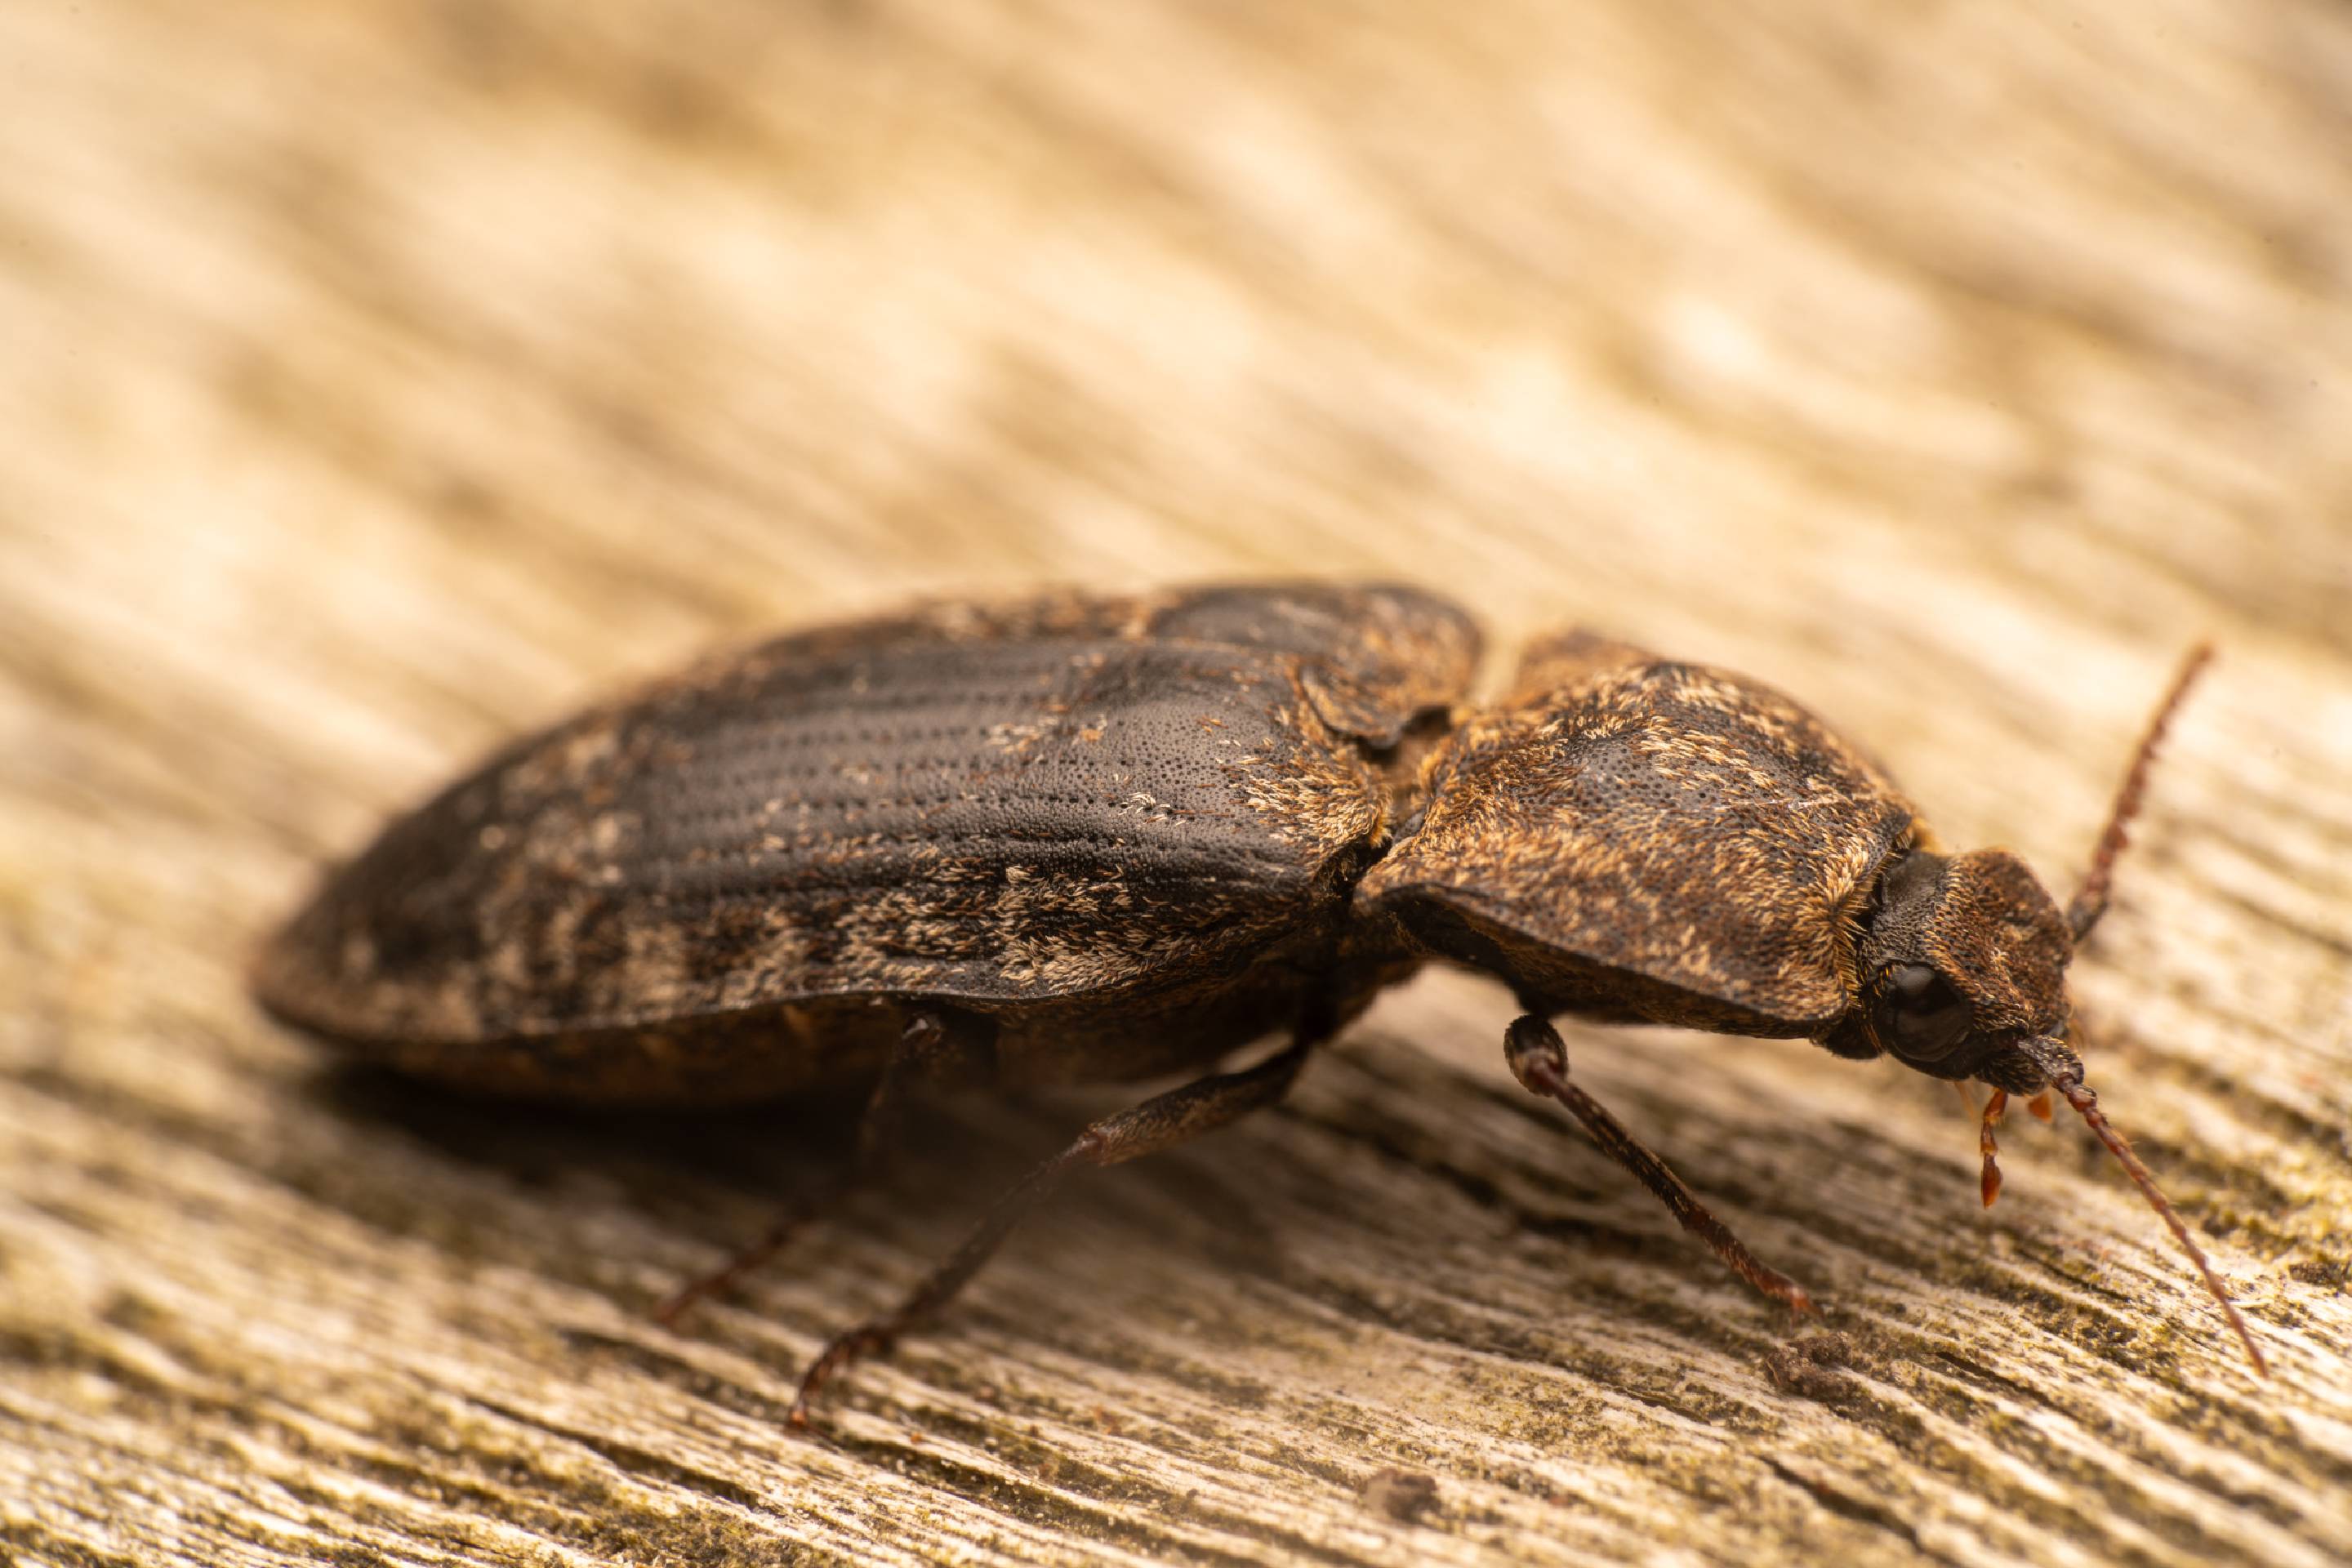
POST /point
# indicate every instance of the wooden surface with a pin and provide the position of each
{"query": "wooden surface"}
(377, 379)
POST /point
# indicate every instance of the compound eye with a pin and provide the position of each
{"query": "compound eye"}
(1919, 1014)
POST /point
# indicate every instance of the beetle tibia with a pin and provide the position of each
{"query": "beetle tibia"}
(1538, 1059)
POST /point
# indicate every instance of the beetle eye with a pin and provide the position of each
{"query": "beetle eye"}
(1919, 1014)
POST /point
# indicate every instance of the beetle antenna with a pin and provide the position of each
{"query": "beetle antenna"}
(2091, 902)
(2066, 1077)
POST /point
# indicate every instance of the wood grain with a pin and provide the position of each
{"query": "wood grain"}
(377, 379)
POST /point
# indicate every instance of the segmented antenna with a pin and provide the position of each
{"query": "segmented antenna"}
(2066, 1077)
(2092, 901)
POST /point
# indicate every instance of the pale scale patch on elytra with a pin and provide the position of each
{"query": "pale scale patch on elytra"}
(1062, 934)
(656, 966)
(1143, 804)
(356, 956)
(1317, 792)
(1059, 959)
(569, 762)
(1017, 738)
(449, 1010)
(779, 946)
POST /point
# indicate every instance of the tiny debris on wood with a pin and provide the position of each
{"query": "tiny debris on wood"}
(2327, 1273)
(1405, 1496)
(1809, 1366)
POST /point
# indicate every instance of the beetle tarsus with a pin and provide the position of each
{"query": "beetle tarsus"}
(838, 1353)
(725, 1277)
(1538, 1059)
(927, 1049)
(1161, 1123)
(942, 1284)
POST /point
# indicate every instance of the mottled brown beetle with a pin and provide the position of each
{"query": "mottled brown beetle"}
(1079, 839)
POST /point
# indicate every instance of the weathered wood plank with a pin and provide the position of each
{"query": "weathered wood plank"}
(382, 378)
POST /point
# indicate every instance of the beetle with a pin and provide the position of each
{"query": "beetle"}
(1078, 838)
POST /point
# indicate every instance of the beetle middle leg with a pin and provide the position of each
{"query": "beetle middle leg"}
(930, 1046)
(1538, 1059)
(1161, 1123)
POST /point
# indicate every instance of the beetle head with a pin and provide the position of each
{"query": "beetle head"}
(1963, 963)
(1963, 956)
(1962, 959)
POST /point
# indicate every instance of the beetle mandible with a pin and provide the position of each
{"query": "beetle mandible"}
(1080, 839)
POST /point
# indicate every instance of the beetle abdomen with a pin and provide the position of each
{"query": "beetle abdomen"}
(1000, 806)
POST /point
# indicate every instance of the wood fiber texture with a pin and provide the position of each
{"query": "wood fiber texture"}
(379, 381)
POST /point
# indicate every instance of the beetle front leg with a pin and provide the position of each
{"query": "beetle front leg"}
(1161, 1122)
(1538, 1059)
(930, 1046)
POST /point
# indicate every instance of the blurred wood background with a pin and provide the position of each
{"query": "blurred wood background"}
(378, 378)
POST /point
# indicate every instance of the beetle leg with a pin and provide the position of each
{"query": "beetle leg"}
(1538, 1059)
(1161, 1122)
(928, 1048)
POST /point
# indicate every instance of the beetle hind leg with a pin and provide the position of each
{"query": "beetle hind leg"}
(928, 1048)
(1538, 1059)
(1161, 1123)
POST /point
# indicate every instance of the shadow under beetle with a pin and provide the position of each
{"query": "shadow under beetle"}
(1085, 838)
